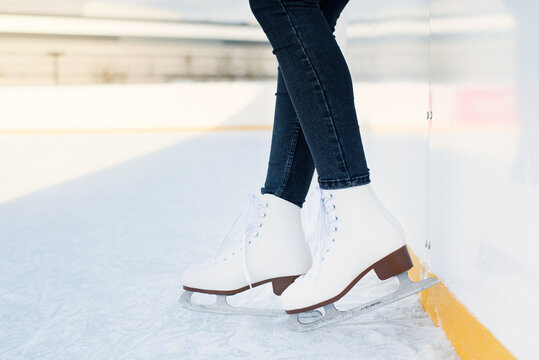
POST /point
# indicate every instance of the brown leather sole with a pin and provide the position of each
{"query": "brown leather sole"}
(391, 265)
(279, 285)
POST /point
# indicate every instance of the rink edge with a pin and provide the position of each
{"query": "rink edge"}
(469, 337)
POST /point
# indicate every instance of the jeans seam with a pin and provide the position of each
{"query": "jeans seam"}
(348, 179)
(345, 183)
(289, 160)
(321, 89)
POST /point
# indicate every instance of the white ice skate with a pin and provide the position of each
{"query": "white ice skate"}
(355, 234)
(272, 248)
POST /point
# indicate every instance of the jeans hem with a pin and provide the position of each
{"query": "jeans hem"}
(344, 183)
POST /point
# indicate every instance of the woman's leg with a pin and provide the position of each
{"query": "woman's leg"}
(290, 166)
(273, 228)
(319, 87)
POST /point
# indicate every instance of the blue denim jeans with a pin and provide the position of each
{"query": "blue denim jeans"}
(315, 122)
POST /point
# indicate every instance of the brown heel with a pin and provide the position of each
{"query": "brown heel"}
(281, 283)
(393, 264)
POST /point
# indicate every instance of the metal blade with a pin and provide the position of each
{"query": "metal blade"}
(221, 306)
(333, 315)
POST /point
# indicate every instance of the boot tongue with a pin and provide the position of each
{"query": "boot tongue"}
(318, 226)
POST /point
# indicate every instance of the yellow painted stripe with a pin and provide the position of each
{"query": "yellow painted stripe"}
(469, 337)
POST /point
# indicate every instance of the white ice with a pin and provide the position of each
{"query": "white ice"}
(91, 256)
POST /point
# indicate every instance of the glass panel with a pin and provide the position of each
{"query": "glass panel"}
(484, 161)
(388, 54)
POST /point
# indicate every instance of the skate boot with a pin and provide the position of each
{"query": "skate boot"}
(355, 234)
(271, 248)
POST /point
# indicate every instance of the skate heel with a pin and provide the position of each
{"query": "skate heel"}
(393, 264)
(281, 283)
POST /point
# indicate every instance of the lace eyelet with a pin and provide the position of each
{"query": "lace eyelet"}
(256, 235)
(249, 241)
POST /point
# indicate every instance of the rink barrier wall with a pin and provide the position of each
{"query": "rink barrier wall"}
(469, 337)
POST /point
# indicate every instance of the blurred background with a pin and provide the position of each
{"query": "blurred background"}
(122, 121)
(111, 41)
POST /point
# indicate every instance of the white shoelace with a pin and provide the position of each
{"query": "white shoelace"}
(319, 222)
(249, 224)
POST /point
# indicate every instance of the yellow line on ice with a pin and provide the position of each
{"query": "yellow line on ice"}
(469, 337)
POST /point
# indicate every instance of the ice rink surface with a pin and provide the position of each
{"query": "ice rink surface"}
(96, 229)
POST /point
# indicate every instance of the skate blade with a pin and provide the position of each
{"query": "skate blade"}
(221, 306)
(407, 287)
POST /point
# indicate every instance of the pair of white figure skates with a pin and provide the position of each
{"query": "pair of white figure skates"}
(354, 233)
